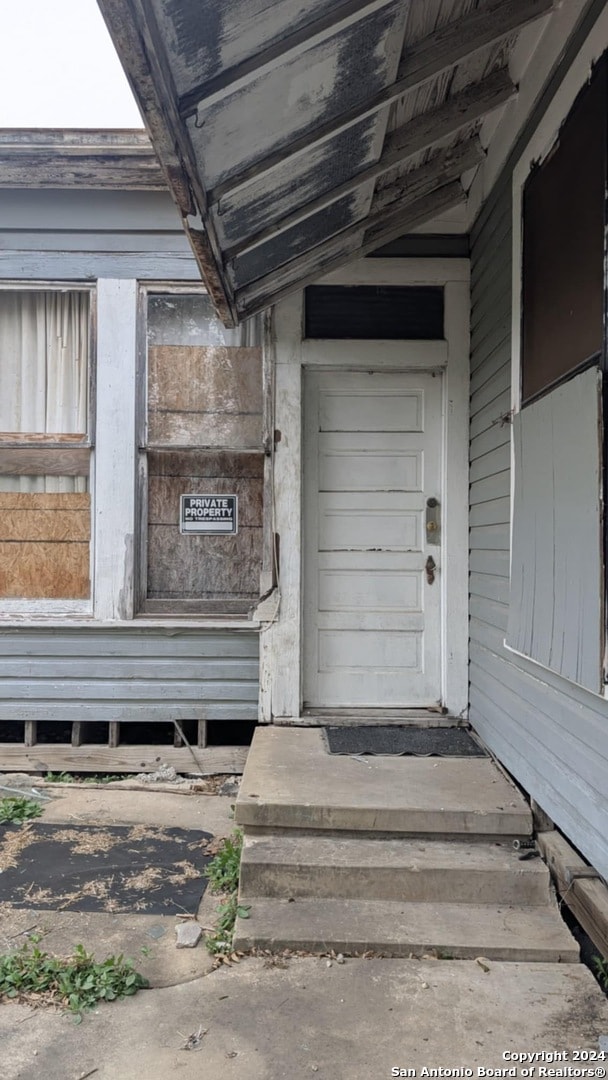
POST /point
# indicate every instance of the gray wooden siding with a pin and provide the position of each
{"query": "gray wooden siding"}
(128, 674)
(551, 734)
(84, 235)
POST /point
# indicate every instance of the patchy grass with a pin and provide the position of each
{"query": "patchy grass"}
(80, 778)
(223, 873)
(75, 983)
(15, 810)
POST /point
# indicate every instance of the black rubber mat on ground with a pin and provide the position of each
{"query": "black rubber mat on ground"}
(417, 741)
(119, 868)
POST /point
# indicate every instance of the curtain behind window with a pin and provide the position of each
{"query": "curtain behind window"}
(44, 366)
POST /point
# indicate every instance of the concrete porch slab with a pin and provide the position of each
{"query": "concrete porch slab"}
(355, 1021)
(291, 781)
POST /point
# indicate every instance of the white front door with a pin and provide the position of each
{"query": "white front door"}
(372, 620)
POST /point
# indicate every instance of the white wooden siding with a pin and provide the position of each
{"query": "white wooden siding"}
(84, 235)
(128, 674)
(551, 734)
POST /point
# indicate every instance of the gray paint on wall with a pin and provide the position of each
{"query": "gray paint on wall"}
(549, 732)
(83, 235)
(128, 674)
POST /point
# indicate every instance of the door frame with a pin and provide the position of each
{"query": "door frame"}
(281, 659)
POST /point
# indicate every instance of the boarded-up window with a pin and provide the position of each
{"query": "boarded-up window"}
(204, 438)
(44, 444)
(563, 247)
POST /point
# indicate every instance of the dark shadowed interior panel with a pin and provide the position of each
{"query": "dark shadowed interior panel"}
(399, 313)
(563, 278)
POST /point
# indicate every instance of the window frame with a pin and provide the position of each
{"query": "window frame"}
(197, 610)
(594, 52)
(51, 444)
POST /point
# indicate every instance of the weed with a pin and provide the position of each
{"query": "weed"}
(223, 873)
(601, 971)
(220, 941)
(70, 778)
(223, 870)
(77, 982)
(16, 810)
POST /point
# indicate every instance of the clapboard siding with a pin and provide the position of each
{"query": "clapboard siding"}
(132, 674)
(84, 235)
(551, 734)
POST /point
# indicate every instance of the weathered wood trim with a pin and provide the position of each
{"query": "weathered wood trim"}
(211, 760)
(50, 461)
(437, 52)
(339, 18)
(415, 355)
(294, 274)
(418, 134)
(36, 439)
(82, 266)
(115, 457)
(587, 897)
(454, 583)
(119, 160)
(139, 45)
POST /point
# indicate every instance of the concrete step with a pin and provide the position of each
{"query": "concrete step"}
(391, 928)
(400, 869)
(292, 782)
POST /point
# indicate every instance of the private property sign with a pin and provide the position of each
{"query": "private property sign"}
(212, 514)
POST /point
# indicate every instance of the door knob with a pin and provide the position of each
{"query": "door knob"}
(432, 521)
(430, 567)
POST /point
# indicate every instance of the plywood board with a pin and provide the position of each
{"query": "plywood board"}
(204, 396)
(555, 613)
(44, 570)
(187, 567)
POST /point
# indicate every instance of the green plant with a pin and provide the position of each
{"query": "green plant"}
(16, 810)
(77, 982)
(220, 941)
(223, 870)
(601, 970)
(223, 873)
(70, 778)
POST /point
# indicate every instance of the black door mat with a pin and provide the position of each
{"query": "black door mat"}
(415, 741)
(119, 868)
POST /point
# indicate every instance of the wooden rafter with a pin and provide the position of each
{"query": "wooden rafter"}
(472, 103)
(436, 53)
(253, 299)
(313, 33)
(445, 167)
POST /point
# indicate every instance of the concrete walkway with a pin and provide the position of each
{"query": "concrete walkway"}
(273, 1019)
(355, 1021)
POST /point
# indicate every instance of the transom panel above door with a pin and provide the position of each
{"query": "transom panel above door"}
(372, 597)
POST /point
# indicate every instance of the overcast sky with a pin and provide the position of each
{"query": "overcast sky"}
(58, 68)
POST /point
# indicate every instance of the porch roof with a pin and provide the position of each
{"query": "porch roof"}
(297, 135)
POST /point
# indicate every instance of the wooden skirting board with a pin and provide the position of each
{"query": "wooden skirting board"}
(210, 760)
(587, 897)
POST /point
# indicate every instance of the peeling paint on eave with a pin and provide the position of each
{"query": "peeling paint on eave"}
(122, 18)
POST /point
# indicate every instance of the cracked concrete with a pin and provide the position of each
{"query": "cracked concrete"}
(269, 1020)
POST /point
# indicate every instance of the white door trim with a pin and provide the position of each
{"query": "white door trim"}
(281, 639)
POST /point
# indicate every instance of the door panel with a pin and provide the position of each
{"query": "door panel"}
(372, 458)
